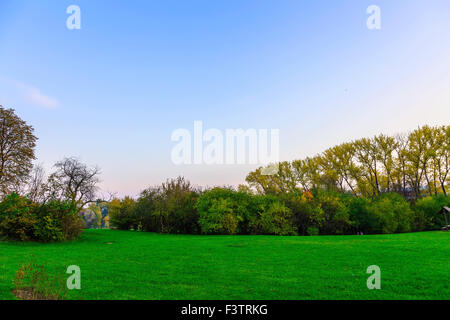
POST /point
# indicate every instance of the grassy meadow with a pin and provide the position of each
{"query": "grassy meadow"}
(138, 265)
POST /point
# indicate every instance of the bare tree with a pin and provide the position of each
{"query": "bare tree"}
(35, 188)
(73, 181)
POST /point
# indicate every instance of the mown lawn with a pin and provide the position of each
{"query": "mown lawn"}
(137, 265)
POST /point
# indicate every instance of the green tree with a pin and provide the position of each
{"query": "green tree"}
(122, 214)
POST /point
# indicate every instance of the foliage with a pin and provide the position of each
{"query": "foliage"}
(169, 208)
(23, 220)
(427, 215)
(335, 218)
(275, 218)
(17, 143)
(306, 215)
(364, 220)
(312, 231)
(222, 210)
(411, 165)
(176, 207)
(57, 221)
(122, 214)
(225, 211)
(17, 218)
(393, 213)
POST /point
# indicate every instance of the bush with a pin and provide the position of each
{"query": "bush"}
(275, 218)
(23, 220)
(225, 211)
(57, 221)
(122, 214)
(145, 210)
(177, 204)
(427, 214)
(17, 218)
(305, 213)
(169, 208)
(363, 219)
(312, 231)
(393, 213)
(336, 215)
(220, 211)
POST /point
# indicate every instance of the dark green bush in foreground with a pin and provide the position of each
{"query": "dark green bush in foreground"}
(23, 220)
(17, 218)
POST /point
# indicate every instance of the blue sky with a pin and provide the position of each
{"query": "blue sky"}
(113, 92)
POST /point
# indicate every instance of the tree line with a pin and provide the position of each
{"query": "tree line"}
(178, 207)
(382, 184)
(379, 185)
(414, 165)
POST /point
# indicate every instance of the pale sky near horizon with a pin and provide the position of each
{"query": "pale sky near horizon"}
(113, 92)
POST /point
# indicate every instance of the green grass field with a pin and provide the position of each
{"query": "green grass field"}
(137, 265)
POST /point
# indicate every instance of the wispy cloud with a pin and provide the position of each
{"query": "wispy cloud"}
(28, 93)
(34, 95)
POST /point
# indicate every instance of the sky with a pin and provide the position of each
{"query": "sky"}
(113, 92)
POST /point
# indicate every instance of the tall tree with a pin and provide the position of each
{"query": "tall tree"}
(367, 156)
(401, 163)
(385, 147)
(442, 156)
(338, 161)
(17, 143)
(35, 188)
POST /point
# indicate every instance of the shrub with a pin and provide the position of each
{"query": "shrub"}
(336, 215)
(363, 219)
(275, 219)
(305, 213)
(312, 231)
(23, 220)
(145, 210)
(122, 214)
(393, 213)
(427, 214)
(57, 221)
(169, 208)
(225, 211)
(17, 218)
(216, 215)
(177, 202)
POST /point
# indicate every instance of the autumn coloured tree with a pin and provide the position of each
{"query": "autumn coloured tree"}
(414, 165)
(17, 143)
